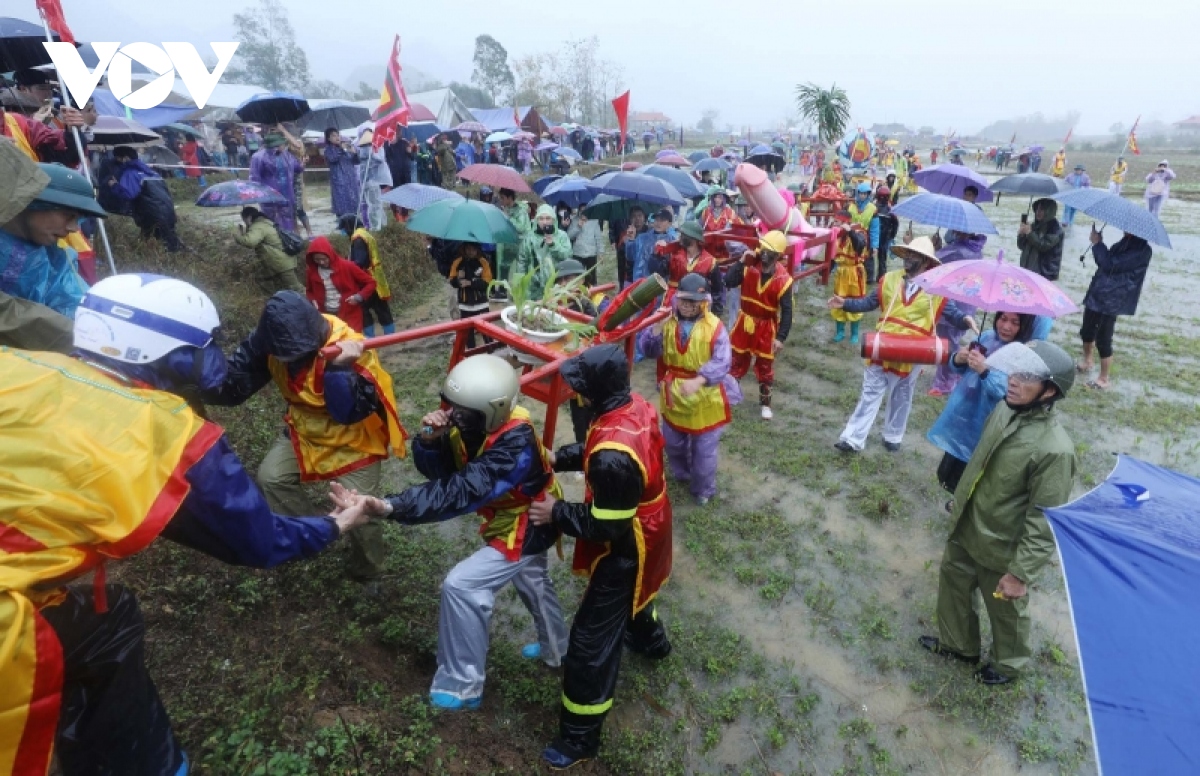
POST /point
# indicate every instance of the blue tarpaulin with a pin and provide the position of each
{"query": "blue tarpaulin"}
(108, 105)
(1131, 556)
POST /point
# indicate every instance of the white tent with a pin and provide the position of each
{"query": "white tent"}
(448, 110)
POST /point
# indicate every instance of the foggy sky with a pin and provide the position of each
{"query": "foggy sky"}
(949, 64)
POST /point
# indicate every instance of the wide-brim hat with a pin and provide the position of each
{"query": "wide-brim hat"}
(570, 268)
(920, 248)
(67, 190)
(365, 138)
(691, 229)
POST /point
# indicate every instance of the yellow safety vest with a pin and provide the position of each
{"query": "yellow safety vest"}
(912, 317)
(90, 468)
(326, 449)
(862, 217)
(382, 289)
(706, 409)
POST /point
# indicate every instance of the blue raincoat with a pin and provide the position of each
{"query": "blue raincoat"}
(958, 428)
(46, 275)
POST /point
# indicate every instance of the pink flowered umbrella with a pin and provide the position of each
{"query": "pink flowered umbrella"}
(994, 286)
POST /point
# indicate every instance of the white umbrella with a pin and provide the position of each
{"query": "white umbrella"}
(498, 137)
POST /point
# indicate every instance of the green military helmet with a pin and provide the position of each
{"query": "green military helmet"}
(571, 268)
(486, 384)
(67, 190)
(1059, 363)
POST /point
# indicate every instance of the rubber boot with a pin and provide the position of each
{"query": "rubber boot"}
(369, 331)
(389, 328)
(854, 332)
(841, 332)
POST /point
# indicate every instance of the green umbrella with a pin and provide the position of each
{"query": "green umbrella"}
(606, 207)
(467, 220)
(184, 129)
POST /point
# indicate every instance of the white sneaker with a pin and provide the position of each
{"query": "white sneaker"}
(767, 414)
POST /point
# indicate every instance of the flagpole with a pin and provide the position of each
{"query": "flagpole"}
(83, 162)
(1125, 147)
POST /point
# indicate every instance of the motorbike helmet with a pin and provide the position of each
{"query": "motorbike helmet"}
(139, 318)
(485, 384)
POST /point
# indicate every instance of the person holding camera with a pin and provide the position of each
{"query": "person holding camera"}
(1158, 186)
(542, 249)
(1041, 242)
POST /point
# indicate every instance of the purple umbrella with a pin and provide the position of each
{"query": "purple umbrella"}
(951, 179)
(239, 192)
(545, 145)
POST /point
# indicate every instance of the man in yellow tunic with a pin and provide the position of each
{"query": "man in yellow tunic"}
(1059, 167)
(1116, 178)
(99, 456)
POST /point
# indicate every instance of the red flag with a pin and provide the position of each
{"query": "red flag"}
(621, 106)
(1067, 139)
(53, 13)
(517, 117)
(1132, 142)
(393, 110)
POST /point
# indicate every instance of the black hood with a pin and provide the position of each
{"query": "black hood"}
(601, 375)
(290, 327)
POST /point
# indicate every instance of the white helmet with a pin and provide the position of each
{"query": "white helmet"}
(486, 384)
(141, 318)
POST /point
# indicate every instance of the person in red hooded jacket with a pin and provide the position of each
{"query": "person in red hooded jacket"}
(335, 285)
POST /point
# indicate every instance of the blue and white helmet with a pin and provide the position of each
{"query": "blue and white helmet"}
(139, 318)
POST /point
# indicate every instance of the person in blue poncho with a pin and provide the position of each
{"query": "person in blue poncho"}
(149, 201)
(958, 428)
(32, 264)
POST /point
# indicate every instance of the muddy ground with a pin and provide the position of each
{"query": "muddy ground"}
(794, 606)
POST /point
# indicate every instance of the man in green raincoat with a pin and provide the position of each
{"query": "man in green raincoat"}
(1024, 463)
(518, 216)
(543, 249)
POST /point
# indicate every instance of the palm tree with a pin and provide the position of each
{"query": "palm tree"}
(829, 109)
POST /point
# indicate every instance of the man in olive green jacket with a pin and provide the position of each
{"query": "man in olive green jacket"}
(1024, 463)
(276, 269)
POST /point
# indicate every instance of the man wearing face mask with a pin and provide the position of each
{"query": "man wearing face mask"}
(341, 419)
(543, 249)
(1023, 464)
(118, 461)
(482, 454)
(907, 310)
(765, 316)
(674, 261)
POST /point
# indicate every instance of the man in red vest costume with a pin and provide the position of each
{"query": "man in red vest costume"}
(765, 317)
(674, 260)
(483, 455)
(101, 456)
(623, 541)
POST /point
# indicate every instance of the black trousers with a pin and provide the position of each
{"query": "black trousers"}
(112, 722)
(379, 310)
(589, 263)
(603, 624)
(950, 471)
(471, 314)
(1098, 328)
(581, 418)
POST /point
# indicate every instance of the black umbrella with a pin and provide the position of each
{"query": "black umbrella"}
(1032, 183)
(21, 45)
(339, 114)
(115, 131)
(273, 108)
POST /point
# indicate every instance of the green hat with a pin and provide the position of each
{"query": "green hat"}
(67, 190)
(692, 229)
(570, 269)
(1058, 362)
(714, 190)
(545, 210)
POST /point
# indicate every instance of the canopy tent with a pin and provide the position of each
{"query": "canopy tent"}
(448, 110)
(1130, 553)
(108, 105)
(501, 119)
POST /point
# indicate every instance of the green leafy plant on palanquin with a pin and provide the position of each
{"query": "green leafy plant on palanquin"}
(542, 313)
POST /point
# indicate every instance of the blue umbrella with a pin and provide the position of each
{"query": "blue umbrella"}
(414, 196)
(681, 180)
(570, 153)
(1117, 211)
(945, 212)
(1129, 556)
(541, 183)
(273, 108)
(712, 165)
(696, 156)
(951, 179)
(763, 149)
(634, 185)
(572, 191)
